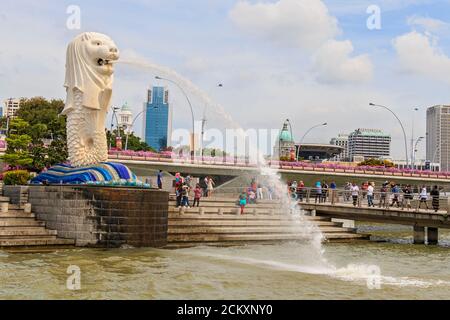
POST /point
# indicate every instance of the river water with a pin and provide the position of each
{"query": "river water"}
(283, 271)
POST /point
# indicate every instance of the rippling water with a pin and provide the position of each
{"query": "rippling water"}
(284, 271)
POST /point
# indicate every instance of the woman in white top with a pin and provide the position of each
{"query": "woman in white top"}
(355, 194)
(423, 197)
(211, 185)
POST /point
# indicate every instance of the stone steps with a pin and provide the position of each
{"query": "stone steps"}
(245, 217)
(19, 229)
(247, 223)
(244, 230)
(20, 222)
(27, 242)
(13, 232)
(258, 237)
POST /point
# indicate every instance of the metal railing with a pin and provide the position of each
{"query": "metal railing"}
(295, 166)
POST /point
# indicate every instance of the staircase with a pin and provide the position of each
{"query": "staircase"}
(218, 222)
(21, 229)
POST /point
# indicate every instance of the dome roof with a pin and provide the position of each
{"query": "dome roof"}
(125, 107)
(285, 134)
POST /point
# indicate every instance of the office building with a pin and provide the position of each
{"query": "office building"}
(157, 119)
(11, 106)
(369, 143)
(341, 141)
(438, 136)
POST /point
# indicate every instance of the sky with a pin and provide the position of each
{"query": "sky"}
(311, 61)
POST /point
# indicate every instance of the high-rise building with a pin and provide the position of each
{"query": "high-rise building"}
(369, 143)
(341, 141)
(11, 107)
(438, 136)
(157, 119)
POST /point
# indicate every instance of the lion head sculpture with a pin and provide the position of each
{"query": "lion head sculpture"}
(90, 69)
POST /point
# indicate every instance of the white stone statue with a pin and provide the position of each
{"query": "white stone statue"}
(89, 78)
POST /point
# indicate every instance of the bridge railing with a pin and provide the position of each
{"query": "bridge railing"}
(413, 201)
(389, 199)
(300, 166)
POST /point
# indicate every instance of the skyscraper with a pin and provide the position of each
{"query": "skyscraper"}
(438, 136)
(369, 143)
(157, 119)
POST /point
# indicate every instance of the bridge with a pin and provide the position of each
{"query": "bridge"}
(146, 166)
(338, 204)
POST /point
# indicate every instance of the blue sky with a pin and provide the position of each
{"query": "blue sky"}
(307, 60)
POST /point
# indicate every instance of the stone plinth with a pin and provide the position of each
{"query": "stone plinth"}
(103, 216)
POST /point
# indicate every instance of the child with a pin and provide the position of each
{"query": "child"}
(197, 195)
(185, 195)
(242, 202)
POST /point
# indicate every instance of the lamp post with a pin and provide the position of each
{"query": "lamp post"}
(204, 121)
(415, 151)
(131, 128)
(114, 115)
(412, 135)
(192, 111)
(401, 125)
(304, 136)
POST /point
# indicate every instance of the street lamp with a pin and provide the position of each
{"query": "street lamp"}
(204, 121)
(415, 151)
(114, 115)
(412, 135)
(192, 111)
(304, 136)
(401, 125)
(131, 128)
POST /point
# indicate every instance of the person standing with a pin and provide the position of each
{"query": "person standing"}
(318, 192)
(383, 195)
(423, 197)
(370, 190)
(395, 196)
(260, 192)
(211, 185)
(185, 196)
(355, 194)
(197, 195)
(333, 192)
(435, 197)
(160, 180)
(408, 196)
(300, 191)
(270, 192)
(242, 202)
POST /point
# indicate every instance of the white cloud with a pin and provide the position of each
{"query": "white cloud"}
(307, 25)
(333, 63)
(429, 24)
(298, 23)
(419, 53)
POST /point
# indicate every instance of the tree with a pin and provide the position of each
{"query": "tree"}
(134, 143)
(18, 153)
(376, 163)
(47, 129)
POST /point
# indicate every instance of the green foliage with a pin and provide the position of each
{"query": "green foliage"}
(37, 137)
(18, 154)
(16, 178)
(134, 143)
(376, 163)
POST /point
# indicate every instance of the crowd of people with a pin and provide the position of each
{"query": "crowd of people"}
(389, 194)
(184, 190)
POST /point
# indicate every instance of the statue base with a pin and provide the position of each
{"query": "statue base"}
(106, 174)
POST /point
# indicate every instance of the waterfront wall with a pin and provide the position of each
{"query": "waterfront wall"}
(102, 216)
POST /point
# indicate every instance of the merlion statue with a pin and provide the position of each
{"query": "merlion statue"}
(89, 79)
